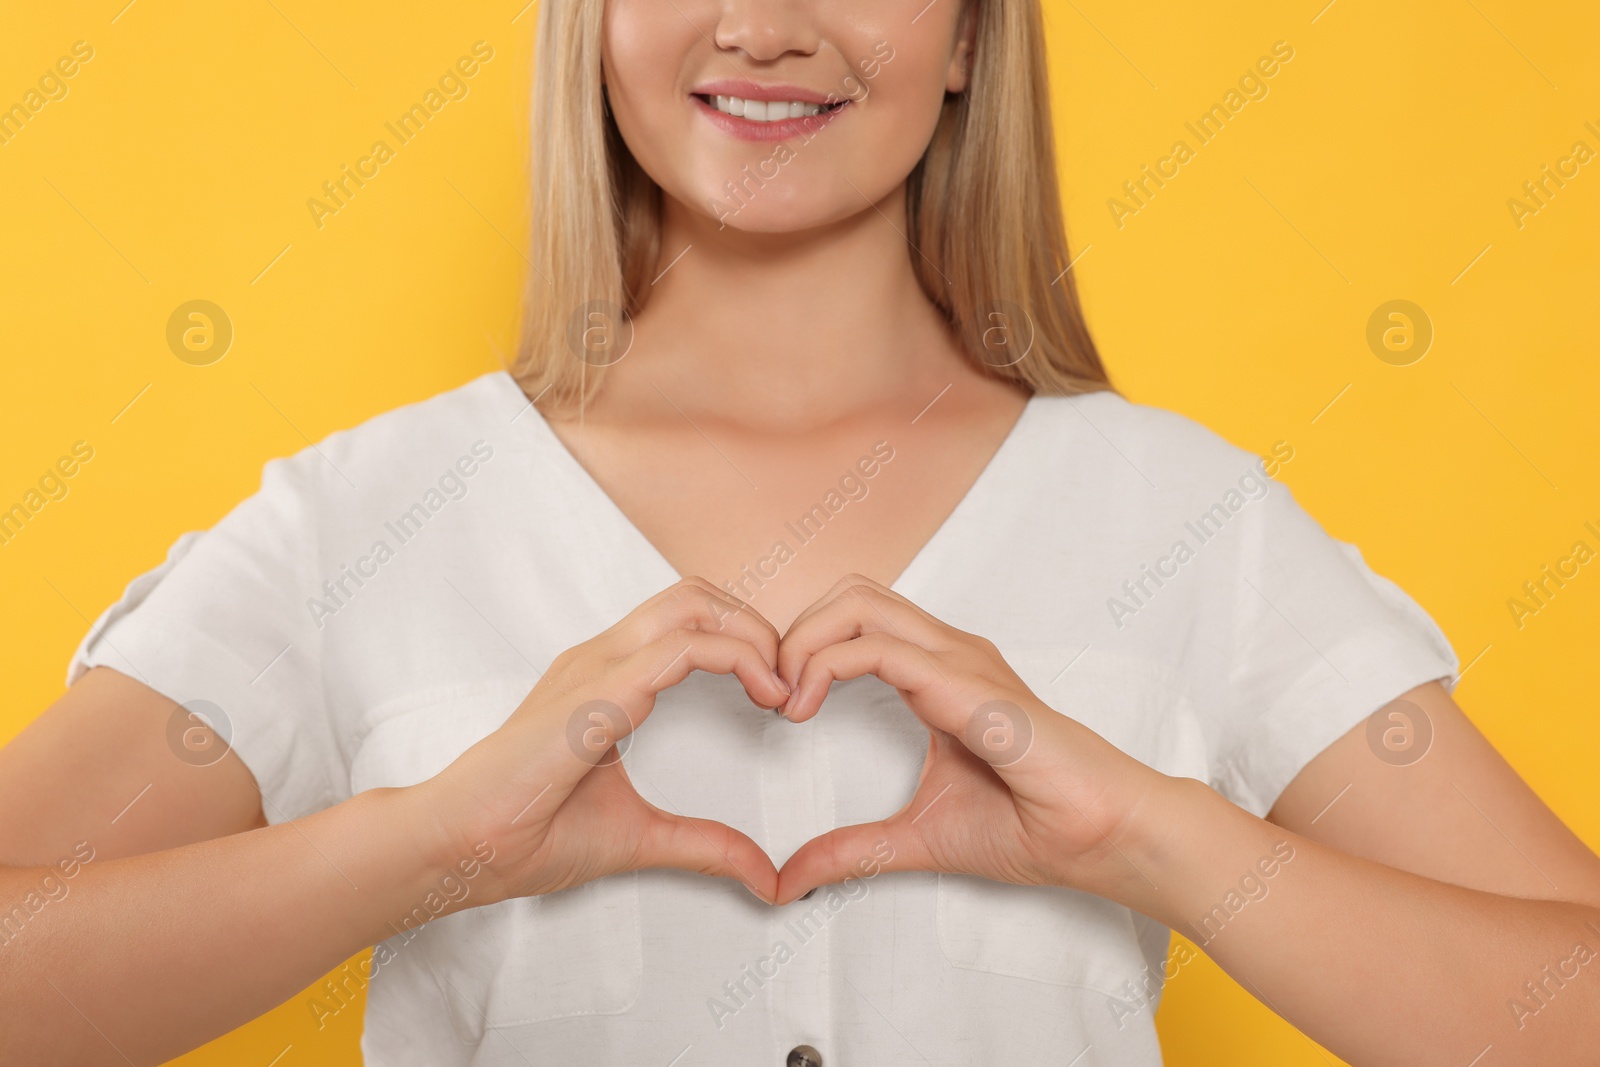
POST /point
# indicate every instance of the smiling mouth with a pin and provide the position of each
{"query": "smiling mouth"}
(767, 110)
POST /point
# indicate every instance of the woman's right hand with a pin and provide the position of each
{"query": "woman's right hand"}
(547, 790)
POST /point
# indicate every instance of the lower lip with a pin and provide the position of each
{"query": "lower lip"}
(782, 130)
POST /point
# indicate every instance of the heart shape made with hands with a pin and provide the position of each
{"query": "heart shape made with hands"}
(986, 801)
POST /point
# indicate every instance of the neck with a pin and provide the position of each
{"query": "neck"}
(787, 330)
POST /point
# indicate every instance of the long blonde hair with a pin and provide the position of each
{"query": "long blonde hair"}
(983, 207)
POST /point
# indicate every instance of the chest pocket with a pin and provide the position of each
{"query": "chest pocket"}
(1062, 936)
(519, 961)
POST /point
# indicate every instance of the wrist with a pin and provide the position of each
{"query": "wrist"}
(1178, 847)
(1163, 832)
(450, 869)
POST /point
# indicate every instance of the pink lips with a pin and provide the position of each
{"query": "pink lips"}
(781, 130)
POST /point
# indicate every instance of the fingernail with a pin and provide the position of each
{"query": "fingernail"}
(776, 677)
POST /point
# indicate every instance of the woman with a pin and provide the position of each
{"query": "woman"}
(806, 418)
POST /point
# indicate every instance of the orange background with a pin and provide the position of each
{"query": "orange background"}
(1378, 166)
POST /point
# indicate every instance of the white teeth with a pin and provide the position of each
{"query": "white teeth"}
(765, 111)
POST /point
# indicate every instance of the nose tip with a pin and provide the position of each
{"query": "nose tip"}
(764, 31)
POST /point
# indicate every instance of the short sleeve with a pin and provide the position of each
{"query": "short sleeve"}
(1319, 642)
(221, 627)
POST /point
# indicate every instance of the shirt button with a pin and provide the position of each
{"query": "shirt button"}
(804, 1056)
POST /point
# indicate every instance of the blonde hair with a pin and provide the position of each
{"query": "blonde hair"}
(982, 203)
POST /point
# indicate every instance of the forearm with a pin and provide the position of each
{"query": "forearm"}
(145, 957)
(1380, 966)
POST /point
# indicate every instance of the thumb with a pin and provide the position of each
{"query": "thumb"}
(859, 851)
(706, 846)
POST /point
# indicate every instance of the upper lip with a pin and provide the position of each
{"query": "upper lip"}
(749, 90)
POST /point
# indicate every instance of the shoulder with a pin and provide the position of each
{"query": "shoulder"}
(482, 408)
(368, 460)
(1141, 447)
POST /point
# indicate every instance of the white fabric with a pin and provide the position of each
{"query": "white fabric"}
(1271, 641)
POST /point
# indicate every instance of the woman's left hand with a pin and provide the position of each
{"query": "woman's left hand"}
(1011, 790)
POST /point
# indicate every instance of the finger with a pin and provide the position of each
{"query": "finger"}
(666, 661)
(849, 580)
(605, 710)
(856, 606)
(941, 692)
(946, 692)
(695, 604)
(706, 846)
(843, 586)
(860, 851)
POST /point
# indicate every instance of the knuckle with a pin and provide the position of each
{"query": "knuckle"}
(703, 600)
(715, 604)
(840, 584)
(677, 637)
(851, 585)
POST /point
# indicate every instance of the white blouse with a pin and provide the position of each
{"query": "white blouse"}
(390, 595)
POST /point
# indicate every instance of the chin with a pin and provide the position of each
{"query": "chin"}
(765, 212)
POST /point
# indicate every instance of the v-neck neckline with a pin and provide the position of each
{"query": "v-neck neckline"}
(590, 486)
